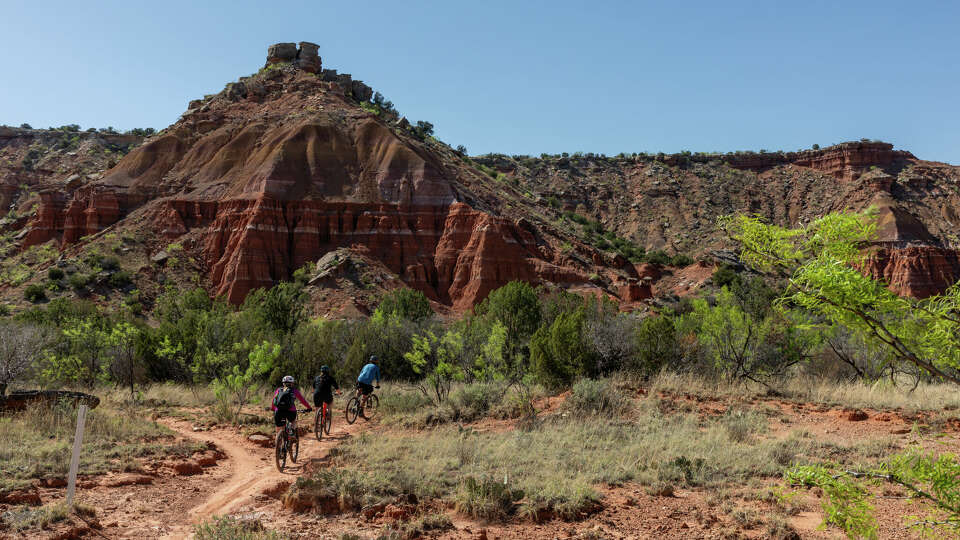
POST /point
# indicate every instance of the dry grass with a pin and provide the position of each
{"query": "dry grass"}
(406, 406)
(41, 517)
(557, 465)
(598, 438)
(230, 528)
(879, 395)
(167, 394)
(37, 443)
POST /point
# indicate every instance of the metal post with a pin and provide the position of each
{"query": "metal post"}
(75, 459)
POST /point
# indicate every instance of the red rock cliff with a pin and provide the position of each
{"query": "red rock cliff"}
(266, 181)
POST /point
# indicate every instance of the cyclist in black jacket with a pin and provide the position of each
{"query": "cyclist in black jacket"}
(324, 385)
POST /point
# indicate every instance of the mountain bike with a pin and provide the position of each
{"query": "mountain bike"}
(322, 421)
(355, 406)
(287, 444)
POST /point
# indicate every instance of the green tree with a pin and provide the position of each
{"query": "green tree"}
(78, 358)
(931, 480)
(491, 362)
(196, 335)
(238, 385)
(389, 337)
(658, 345)
(126, 364)
(823, 261)
(437, 360)
(558, 353)
(516, 306)
(742, 346)
(281, 308)
(406, 303)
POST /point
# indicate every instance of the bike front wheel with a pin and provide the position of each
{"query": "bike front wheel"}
(370, 409)
(294, 449)
(280, 449)
(353, 410)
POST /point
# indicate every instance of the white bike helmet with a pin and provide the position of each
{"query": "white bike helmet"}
(288, 380)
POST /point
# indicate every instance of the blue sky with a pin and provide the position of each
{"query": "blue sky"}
(521, 77)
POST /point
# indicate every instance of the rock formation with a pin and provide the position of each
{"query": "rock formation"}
(285, 166)
(672, 202)
(264, 182)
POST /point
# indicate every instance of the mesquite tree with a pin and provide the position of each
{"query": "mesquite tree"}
(824, 261)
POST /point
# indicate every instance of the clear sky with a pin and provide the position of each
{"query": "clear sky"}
(520, 77)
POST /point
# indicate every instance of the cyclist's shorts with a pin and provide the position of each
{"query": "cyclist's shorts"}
(365, 389)
(319, 400)
(280, 416)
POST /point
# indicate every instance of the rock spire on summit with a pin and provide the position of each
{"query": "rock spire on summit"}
(305, 55)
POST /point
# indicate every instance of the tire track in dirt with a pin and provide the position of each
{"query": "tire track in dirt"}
(253, 468)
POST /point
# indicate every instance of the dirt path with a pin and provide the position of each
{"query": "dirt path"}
(252, 469)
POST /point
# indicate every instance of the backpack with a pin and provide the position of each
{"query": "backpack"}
(284, 399)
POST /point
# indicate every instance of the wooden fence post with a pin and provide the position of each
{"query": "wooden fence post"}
(75, 459)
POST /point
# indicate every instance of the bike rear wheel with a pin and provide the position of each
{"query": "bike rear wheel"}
(327, 420)
(280, 450)
(370, 409)
(353, 410)
(318, 424)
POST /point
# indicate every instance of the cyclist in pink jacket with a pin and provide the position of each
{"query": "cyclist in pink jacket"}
(284, 407)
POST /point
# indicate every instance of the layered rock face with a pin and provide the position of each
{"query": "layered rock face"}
(672, 202)
(273, 174)
(919, 271)
(33, 161)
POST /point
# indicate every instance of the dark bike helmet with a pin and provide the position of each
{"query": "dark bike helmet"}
(324, 369)
(374, 359)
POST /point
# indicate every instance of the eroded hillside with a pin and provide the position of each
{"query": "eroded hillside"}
(673, 202)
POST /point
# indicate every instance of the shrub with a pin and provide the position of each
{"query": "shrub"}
(658, 345)
(473, 401)
(725, 276)
(109, 263)
(516, 306)
(658, 257)
(55, 273)
(78, 281)
(407, 304)
(121, 279)
(34, 293)
(399, 402)
(681, 260)
(485, 498)
(230, 528)
(741, 425)
(591, 396)
(558, 353)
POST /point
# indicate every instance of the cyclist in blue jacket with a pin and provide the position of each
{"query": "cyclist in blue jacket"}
(368, 375)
